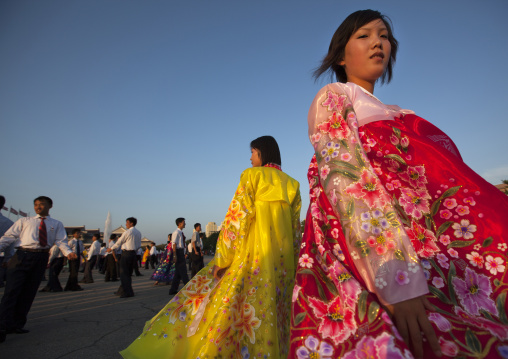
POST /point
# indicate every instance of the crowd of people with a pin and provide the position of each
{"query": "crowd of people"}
(403, 253)
(31, 245)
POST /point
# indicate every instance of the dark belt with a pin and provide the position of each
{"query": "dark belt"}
(34, 250)
(123, 250)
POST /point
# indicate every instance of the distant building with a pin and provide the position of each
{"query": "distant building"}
(211, 227)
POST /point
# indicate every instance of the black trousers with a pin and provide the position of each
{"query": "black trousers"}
(72, 282)
(24, 274)
(87, 277)
(180, 271)
(153, 260)
(197, 262)
(127, 262)
(55, 267)
(111, 273)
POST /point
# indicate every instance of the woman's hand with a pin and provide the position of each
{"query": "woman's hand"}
(411, 320)
(218, 272)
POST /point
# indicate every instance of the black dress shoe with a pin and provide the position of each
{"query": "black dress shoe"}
(18, 331)
(77, 289)
(173, 293)
(3, 335)
(126, 296)
(45, 289)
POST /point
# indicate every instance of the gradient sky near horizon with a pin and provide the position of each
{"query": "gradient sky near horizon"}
(147, 108)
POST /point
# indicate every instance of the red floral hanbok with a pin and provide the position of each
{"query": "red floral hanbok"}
(395, 214)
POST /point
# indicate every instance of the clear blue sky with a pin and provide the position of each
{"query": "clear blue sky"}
(147, 108)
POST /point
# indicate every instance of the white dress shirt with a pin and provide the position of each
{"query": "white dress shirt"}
(103, 252)
(177, 238)
(54, 252)
(197, 238)
(129, 241)
(94, 249)
(76, 246)
(25, 233)
(153, 251)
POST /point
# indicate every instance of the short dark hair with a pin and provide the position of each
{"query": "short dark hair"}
(44, 198)
(268, 148)
(133, 220)
(179, 220)
(98, 236)
(197, 225)
(113, 236)
(2, 202)
(76, 230)
(340, 38)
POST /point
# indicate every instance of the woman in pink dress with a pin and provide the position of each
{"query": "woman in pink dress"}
(404, 250)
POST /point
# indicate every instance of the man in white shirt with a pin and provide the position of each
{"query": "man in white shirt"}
(101, 261)
(153, 256)
(178, 242)
(5, 224)
(111, 272)
(129, 242)
(189, 255)
(76, 247)
(197, 250)
(55, 261)
(93, 253)
(34, 236)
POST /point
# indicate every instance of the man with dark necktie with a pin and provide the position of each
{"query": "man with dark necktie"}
(77, 247)
(129, 242)
(178, 241)
(33, 237)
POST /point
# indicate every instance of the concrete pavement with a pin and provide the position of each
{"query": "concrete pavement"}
(93, 323)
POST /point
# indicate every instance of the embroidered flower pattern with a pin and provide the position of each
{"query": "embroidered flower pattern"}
(331, 151)
(464, 229)
(306, 261)
(415, 176)
(474, 291)
(415, 202)
(336, 321)
(335, 127)
(423, 240)
(369, 189)
(374, 222)
(314, 349)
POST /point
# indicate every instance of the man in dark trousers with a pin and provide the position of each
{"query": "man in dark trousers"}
(178, 241)
(77, 248)
(34, 237)
(129, 242)
(93, 254)
(110, 258)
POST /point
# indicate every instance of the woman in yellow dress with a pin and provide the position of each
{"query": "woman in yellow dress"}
(146, 254)
(239, 305)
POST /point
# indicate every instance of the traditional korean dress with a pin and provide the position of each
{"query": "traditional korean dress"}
(394, 214)
(165, 270)
(246, 313)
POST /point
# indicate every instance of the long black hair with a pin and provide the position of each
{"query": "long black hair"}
(349, 26)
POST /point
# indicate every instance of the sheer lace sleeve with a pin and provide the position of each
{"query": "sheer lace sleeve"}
(375, 237)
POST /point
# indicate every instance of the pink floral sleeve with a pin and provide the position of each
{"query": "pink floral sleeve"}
(375, 237)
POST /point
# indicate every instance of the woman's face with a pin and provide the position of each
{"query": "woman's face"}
(255, 158)
(367, 54)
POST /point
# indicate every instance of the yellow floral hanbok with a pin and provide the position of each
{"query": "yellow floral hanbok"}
(245, 314)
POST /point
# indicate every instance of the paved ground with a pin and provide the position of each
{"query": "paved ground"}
(91, 324)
